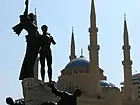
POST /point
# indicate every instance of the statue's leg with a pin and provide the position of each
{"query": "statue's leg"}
(42, 63)
(26, 69)
(23, 68)
(49, 64)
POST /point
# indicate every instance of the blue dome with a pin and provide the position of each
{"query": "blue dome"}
(105, 83)
(78, 62)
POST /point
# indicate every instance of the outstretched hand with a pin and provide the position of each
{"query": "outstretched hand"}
(26, 2)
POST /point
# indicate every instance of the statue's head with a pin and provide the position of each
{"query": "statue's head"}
(44, 28)
(31, 16)
(9, 101)
(77, 92)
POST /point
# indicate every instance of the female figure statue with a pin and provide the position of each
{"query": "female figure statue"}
(32, 39)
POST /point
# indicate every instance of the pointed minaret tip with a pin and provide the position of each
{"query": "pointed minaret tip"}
(72, 29)
(81, 52)
(35, 17)
(92, 7)
(126, 37)
(72, 48)
(35, 11)
(124, 16)
(72, 38)
(92, 15)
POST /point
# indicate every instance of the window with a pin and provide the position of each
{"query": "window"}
(70, 72)
(70, 87)
(75, 71)
(81, 71)
(87, 70)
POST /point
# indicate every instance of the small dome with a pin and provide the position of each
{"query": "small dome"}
(78, 62)
(105, 83)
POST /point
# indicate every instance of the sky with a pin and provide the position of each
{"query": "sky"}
(60, 16)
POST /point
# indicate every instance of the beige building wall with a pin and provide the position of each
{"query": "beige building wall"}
(135, 92)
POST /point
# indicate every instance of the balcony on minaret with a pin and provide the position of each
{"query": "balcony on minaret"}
(126, 47)
(90, 30)
(129, 62)
(98, 47)
(71, 57)
(89, 48)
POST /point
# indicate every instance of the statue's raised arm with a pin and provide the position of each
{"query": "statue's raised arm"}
(18, 28)
(26, 8)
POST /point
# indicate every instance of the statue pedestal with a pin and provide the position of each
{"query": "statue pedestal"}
(28, 85)
(36, 92)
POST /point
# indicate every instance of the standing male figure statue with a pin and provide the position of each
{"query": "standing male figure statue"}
(32, 39)
(45, 52)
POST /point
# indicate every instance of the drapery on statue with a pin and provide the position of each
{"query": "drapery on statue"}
(32, 39)
(66, 98)
(45, 52)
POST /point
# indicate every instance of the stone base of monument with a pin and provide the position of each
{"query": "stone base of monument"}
(36, 92)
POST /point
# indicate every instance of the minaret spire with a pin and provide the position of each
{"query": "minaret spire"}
(81, 53)
(93, 50)
(127, 64)
(35, 18)
(92, 15)
(125, 35)
(37, 59)
(72, 48)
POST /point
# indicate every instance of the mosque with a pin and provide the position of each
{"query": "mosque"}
(89, 77)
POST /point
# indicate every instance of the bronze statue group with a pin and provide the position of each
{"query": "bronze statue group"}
(36, 44)
(39, 44)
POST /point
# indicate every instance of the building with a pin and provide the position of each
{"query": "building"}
(89, 77)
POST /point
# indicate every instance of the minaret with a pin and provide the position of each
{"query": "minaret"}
(72, 48)
(93, 50)
(35, 18)
(127, 64)
(37, 60)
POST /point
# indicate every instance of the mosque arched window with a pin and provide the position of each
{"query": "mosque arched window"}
(69, 72)
(75, 71)
(72, 88)
(69, 89)
(80, 71)
(87, 71)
